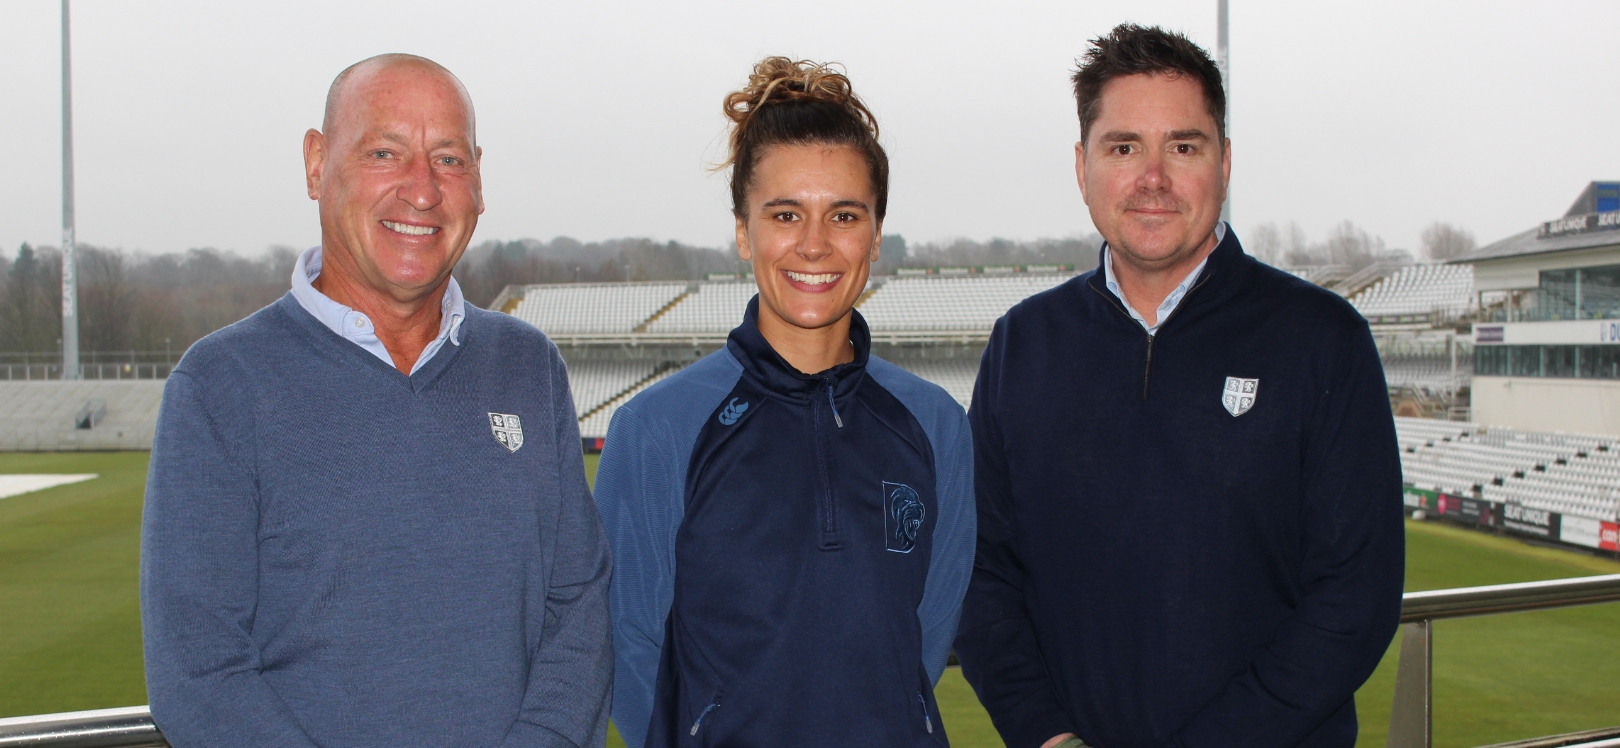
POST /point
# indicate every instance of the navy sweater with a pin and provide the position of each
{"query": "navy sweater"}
(790, 551)
(1155, 571)
(336, 554)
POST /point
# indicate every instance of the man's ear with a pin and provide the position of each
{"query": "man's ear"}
(314, 161)
(478, 160)
(877, 246)
(1226, 167)
(1080, 168)
(744, 253)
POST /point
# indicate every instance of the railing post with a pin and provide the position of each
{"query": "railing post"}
(1411, 721)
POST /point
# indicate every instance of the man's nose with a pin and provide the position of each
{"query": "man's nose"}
(420, 187)
(1153, 177)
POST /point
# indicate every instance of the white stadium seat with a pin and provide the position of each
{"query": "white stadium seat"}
(714, 308)
(951, 303)
(1420, 289)
(593, 308)
(1575, 474)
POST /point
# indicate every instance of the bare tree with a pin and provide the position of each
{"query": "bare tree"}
(22, 306)
(106, 301)
(1345, 245)
(1080, 252)
(1349, 245)
(1443, 241)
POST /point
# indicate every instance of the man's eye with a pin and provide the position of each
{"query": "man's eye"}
(786, 217)
(449, 160)
(844, 217)
(1123, 149)
(380, 154)
(1184, 148)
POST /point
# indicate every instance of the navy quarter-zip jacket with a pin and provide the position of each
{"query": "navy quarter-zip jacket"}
(791, 550)
(1154, 570)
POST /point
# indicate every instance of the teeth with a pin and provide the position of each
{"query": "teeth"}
(814, 280)
(405, 228)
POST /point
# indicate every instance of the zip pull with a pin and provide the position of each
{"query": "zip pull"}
(928, 722)
(832, 403)
(699, 722)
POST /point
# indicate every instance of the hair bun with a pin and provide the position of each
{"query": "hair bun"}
(777, 80)
(788, 102)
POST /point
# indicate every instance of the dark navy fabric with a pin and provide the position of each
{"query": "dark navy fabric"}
(791, 551)
(336, 554)
(1154, 570)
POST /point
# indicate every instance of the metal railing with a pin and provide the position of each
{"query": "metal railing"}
(31, 372)
(1410, 722)
(130, 727)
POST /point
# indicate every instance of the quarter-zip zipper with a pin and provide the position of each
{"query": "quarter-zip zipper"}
(832, 386)
(829, 510)
(1147, 365)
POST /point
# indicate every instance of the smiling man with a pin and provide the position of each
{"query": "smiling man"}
(367, 522)
(1188, 485)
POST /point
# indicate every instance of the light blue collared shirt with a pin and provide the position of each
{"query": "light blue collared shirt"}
(1170, 302)
(355, 326)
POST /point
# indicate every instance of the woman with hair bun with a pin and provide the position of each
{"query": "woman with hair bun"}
(791, 517)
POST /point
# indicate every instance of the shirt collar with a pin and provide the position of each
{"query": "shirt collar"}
(1170, 302)
(355, 326)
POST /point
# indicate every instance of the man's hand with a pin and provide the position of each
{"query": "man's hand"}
(1066, 740)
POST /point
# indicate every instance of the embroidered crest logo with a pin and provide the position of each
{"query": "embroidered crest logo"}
(732, 412)
(903, 515)
(1239, 394)
(508, 430)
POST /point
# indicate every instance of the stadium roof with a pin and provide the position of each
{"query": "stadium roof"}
(1592, 222)
(1532, 243)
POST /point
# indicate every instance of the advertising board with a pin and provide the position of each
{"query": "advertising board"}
(1583, 531)
(1467, 511)
(1529, 521)
(1418, 498)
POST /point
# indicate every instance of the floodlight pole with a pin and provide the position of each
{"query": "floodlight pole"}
(1225, 64)
(70, 284)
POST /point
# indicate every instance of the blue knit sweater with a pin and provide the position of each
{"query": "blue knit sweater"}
(336, 554)
(1186, 540)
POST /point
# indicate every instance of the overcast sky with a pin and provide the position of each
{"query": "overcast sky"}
(598, 120)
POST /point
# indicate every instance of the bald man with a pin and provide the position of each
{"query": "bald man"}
(366, 521)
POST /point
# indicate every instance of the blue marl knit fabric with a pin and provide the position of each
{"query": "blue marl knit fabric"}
(336, 554)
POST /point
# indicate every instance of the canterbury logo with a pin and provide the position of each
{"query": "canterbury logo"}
(732, 412)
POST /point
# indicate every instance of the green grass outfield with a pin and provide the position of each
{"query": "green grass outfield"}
(70, 623)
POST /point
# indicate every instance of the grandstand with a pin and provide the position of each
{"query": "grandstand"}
(714, 307)
(594, 423)
(58, 415)
(585, 308)
(1427, 366)
(1442, 292)
(955, 375)
(1569, 482)
(596, 383)
(951, 304)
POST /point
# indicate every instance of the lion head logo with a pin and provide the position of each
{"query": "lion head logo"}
(903, 518)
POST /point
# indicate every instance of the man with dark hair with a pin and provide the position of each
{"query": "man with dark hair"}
(1188, 482)
(367, 522)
